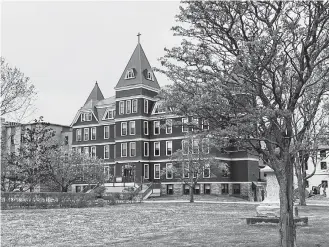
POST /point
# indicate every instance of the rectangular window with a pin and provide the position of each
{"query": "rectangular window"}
(323, 165)
(146, 171)
(134, 110)
(66, 140)
(107, 172)
(78, 135)
(88, 116)
(197, 189)
(207, 189)
(156, 148)
(93, 133)
(184, 125)
(93, 152)
(106, 151)
(224, 188)
(186, 170)
(186, 189)
(236, 189)
(146, 149)
(79, 150)
(185, 147)
(156, 171)
(206, 171)
(146, 106)
(86, 150)
(123, 128)
(132, 128)
(195, 123)
(205, 146)
(170, 189)
(169, 171)
(86, 134)
(132, 148)
(168, 148)
(106, 132)
(195, 149)
(195, 169)
(168, 126)
(205, 124)
(324, 183)
(323, 153)
(121, 107)
(83, 117)
(128, 106)
(156, 127)
(123, 149)
(146, 127)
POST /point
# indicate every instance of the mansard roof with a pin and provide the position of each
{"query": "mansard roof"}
(140, 67)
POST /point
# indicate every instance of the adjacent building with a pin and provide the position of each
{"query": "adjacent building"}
(126, 130)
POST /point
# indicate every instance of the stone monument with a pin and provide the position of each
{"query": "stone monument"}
(268, 211)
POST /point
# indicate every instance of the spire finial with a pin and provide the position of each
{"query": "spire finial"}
(138, 35)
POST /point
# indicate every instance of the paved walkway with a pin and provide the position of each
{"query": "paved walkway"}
(310, 203)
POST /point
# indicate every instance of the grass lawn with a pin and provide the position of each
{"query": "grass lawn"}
(154, 224)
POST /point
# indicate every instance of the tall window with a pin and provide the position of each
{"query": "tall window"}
(121, 107)
(124, 128)
(195, 123)
(78, 135)
(184, 125)
(156, 127)
(146, 171)
(146, 127)
(132, 149)
(106, 172)
(128, 106)
(149, 76)
(169, 171)
(106, 151)
(146, 106)
(124, 149)
(323, 165)
(146, 149)
(205, 145)
(79, 150)
(186, 169)
(185, 147)
(195, 149)
(106, 132)
(134, 110)
(206, 171)
(156, 148)
(86, 134)
(156, 171)
(168, 148)
(93, 133)
(195, 169)
(168, 126)
(132, 128)
(93, 152)
(86, 150)
(205, 124)
(224, 188)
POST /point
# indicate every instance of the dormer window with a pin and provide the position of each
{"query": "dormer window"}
(149, 76)
(109, 114)
(130, 74)
(86, 116)
(158, 108)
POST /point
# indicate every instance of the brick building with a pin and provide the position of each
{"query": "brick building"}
(126, 130)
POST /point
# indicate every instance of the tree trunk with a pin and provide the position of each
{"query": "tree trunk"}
(301, 186)
(287, 225)
(192, 193)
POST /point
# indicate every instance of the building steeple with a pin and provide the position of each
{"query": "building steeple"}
(138, 71)
(96, 94)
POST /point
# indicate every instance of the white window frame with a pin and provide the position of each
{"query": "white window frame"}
(167, 165)
(146, 149)
(146, 106)
(184, 123)
(128, 106)
(156, 165)
(84, 150)
(154, 124)
(159, 148)
(147, 128)
(195, 141)
(122, 144)
(79, 150)
(89, 116)
(121, 107)
(205, 143)
(124, 123)
(84, 134)
(107, 130)
(169, 122)
(149, 76)
(188, 170)
(91, 151)
(167, 144)
(107, 174)
(130, 149)
(132, 106)
(195, 164)
(92, 129)
(188, 148)
(106, 151)
(148, 171)
(106, 114)
(78, 135)
(130, 125)
(207, 166)
(196, 124)
(83, 117)
(129, 74)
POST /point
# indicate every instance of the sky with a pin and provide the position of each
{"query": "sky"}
(65, 47)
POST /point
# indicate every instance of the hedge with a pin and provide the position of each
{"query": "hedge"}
(21, 200)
